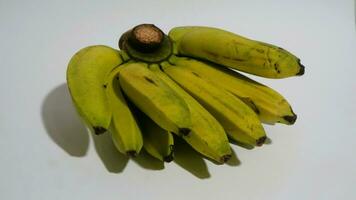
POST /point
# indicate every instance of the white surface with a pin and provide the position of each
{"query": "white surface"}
(46, 153)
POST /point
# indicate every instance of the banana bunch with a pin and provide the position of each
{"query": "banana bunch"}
(157, 86)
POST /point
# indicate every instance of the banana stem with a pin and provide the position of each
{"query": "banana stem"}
(144, 37)
(146, 42)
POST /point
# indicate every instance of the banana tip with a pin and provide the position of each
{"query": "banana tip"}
(225, 158)
(131, 154)
(168, 158)
(99, 130)
(302, 68)
(261, 141)
(184, 131)
(290, 118)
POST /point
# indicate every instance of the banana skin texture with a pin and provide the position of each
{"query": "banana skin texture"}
(207, 135)
(151, 95)
(229, 49)
(124, 129)
(270, 106)
(158, 142)
(239, 120)
(86, 74)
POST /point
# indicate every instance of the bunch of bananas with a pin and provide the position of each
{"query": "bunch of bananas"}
(158, 85)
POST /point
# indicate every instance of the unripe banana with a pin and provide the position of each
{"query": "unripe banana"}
(270, 106)
(86, 74)
(152, 96)
(124, 130)
(158, 142)
(235, 51)
(239, 121)
(207, 135)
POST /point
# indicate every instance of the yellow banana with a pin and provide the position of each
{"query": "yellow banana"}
(124, 130)
(152, 96)
(207, 135)
(183, 83)
(158, 142)
(86, 74)
(235, 51)
(270, 106)
(239, 121)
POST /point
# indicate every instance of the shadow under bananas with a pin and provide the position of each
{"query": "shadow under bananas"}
(65, 128)
(189, 159)
(146, 161)
(113, 160)
(242, 145)
(247, 146)
(234, 161)
(62, 123)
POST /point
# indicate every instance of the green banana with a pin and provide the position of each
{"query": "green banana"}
(158, 142)
(239, 121)
(86, 74)
(124, 130)
(152, 96)
(207, 135)
(235, 51)
(270, 106)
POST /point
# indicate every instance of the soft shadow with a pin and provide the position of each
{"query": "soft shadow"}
(62, 123)
(245, 146)
(146, 161)
(113, 160)
(66, 129)
(234, 160)
(268, 141)
(189, 159)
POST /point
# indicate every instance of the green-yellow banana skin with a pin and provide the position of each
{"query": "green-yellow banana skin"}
(231, 50)
(158, 142)
(152, 96)
(239, 121)
(207, 135)
(270, 106)
(124, 130)
(86, 73)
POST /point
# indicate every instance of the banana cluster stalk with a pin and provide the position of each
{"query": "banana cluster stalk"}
(184, 83)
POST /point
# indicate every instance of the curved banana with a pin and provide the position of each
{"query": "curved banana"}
(270, 106)
(152, 96)
(207, 136)
(235, 51)
(239, 121)
(86, 74)
(158, 142)
(124, 130)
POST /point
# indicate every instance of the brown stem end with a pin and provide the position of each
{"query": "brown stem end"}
(145, 37)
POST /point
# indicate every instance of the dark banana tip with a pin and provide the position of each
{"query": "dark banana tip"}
(225, 158)
(131, 154)
(261, 141)
(301, 70)
(184, 131)
(99, 130)
(290, 119)
(169, 158)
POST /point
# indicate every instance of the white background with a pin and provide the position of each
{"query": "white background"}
(45, 152)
